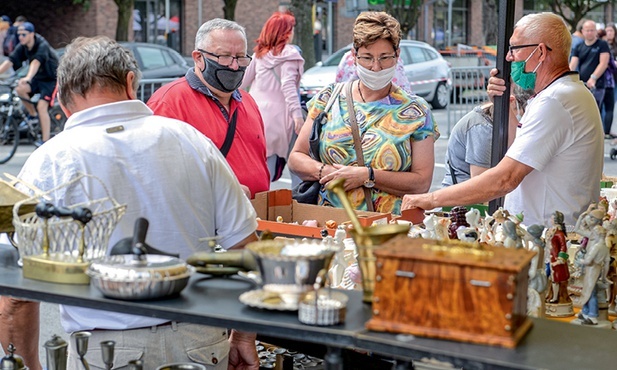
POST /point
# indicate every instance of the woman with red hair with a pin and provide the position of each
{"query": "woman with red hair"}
(274, 78)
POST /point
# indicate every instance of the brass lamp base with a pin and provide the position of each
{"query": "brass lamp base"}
(46, 268)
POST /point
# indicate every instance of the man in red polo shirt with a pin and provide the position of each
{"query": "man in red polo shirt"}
(208, 98)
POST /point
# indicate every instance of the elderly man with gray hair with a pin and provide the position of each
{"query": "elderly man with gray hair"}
(209, 99)
(162, 169)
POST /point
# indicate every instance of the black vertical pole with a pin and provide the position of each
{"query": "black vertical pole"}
(502, 103)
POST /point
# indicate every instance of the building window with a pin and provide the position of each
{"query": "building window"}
(459, 23)
(158, 22)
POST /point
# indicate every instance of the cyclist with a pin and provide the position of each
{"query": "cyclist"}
(41, 76)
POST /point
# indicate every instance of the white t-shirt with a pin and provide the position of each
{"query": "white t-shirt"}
(562, 139)
(163, 169)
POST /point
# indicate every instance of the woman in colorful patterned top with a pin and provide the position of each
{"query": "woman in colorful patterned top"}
(392, 125)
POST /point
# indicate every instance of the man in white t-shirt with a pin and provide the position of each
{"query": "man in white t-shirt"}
(556, 159)
(163, 170)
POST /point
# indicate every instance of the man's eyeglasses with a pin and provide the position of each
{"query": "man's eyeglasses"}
(385, 61)
(22, 34)
(511, 48)
(226, 60)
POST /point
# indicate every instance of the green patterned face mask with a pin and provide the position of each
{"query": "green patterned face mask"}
(526, 80)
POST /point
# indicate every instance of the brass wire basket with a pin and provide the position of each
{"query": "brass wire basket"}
(59, 249)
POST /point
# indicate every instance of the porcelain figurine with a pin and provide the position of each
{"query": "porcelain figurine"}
(592, 217)
(486, 231)
(473, 218)
(611, 244)
(536, 291)
(436, 227)
(558, 300)
(596, 262)
(612, 209)
(499, 217)
(512, 235)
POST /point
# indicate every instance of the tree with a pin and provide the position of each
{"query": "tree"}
(229, 9)
(573, 11)
(125, 10)
(303, 12)
(407, 12)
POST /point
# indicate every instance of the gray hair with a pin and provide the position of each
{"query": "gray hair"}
(91, 63)
(550, 29)
(203, 41)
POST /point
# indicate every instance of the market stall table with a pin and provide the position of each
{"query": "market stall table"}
(214, 301)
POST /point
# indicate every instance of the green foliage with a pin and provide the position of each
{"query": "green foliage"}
(572, 11)
(406, 12)
(85, 3)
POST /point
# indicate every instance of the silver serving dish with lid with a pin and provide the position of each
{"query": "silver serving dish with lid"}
(138, 277)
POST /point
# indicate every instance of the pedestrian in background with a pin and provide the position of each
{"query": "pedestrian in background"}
(590, 59)
(470, 144)
(396, 130)
(608, 103)
(274, 79)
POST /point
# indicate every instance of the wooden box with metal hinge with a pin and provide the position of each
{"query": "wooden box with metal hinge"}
(451, 290)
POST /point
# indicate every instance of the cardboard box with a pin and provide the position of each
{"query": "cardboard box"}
(272, 204)
(8, 197)
(451, 290)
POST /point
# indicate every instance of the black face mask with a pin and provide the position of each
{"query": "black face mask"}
(221, 77)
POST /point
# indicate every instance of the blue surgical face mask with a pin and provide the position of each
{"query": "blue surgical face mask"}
(526, 80)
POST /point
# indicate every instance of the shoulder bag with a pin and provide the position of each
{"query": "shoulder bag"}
(308, 191)
(357, 143)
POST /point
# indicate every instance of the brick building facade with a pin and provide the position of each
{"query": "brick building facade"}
(60, 21)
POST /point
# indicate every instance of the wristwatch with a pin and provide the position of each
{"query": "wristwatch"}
(370, 182)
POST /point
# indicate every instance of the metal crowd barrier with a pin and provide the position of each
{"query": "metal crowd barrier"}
(468, 91)
(148, 86)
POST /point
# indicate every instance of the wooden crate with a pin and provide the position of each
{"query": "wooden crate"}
(451, 291)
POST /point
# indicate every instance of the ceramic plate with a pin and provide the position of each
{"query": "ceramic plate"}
(270, 301)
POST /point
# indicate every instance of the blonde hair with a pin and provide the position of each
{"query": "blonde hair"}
(550, 29)
(372, 26)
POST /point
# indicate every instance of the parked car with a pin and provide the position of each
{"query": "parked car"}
(427, 71)
(155, 62)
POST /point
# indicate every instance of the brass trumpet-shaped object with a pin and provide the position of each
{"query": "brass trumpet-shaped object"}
(366, 239)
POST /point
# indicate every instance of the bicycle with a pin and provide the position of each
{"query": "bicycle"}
(12, 113)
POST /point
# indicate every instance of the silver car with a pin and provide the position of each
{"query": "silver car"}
(427, 71)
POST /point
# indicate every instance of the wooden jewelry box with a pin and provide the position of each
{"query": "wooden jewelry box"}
(451, 290)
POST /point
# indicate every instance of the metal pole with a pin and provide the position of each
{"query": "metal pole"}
(450, 22)
(502, 103)
(200, 9)
(330, 28)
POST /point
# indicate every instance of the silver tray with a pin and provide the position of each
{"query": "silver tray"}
(259, 298)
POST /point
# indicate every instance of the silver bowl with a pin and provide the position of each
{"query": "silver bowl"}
(290, 275)
(125, 277)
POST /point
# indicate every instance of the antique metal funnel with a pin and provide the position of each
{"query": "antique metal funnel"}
(366, 239)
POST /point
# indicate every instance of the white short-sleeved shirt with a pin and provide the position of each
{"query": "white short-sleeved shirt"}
(562, 138)
(162, 169)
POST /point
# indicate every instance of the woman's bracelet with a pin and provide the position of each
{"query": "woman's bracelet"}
(321, 170)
